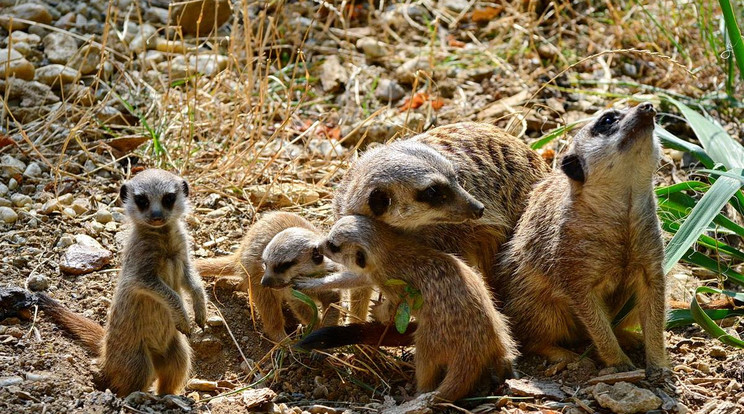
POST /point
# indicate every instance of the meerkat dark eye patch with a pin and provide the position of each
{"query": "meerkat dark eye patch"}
(169, 200)
(141, 201)
(333, 247)
(284, 266)
(573, 168)
(361, 259)
(606, 123)
(317, 258)
(434, 195)
(379, 201)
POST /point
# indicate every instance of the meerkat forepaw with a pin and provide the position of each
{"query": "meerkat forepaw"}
(303, 283)
(184, 327)
(200, 317)
(658, 374)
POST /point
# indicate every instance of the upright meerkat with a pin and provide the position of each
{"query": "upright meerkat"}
(459, 330)
(141, 341)
(277, 248)
(589, 239)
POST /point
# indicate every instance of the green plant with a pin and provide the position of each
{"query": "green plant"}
(311, 303)
(410, 299)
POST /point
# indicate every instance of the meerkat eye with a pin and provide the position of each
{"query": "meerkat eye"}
(334, 248)
(141, 201)
(317, 257)
(284, 266)
(361, 259)
(169, 200)
(608, 119)
(436, 194)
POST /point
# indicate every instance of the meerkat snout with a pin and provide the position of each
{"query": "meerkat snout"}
(477, 208)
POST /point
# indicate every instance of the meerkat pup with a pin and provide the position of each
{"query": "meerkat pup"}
(589, 239)
(141, 341)
(278, 248)
(459, 335)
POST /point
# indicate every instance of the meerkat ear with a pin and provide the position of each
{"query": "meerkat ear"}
(379, 201)
(361, 260)
(185, 188)
(123, 192)
(573, 167)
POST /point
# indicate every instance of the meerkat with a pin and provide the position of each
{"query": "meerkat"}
(588, 240)
(277, 248)
(459, 335)
(141, 341)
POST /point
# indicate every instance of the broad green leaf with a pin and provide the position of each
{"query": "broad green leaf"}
(718, 144)
(736, 173)
(700, 217)
(707, 323)
(683, 317)
(684, 186)
(684, 204)
(402, 317)
(309, 302)
(545, 139)
(395, 282)
(670, 140)
(706, 241)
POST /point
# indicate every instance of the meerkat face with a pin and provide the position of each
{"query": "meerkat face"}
(348, 243)
(291, 253)
(408, 185)
(618, 144)
(155, 197)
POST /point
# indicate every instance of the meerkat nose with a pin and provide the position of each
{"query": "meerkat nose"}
(477, 209)
(646, 107)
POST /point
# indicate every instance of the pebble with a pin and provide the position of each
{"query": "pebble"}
(4, 202)
(103, 216)
(12, 184)
(215, 321)
(69, 212)
(32, 170)
(80, 205)
(39, 376)
(65, 241)
(87, 59)
(321, 409)
(144, 39)
(59, 47)
(20, 200)
(389, 90)
(208, 346)
(373, 48)
(718, 352)
(406, 73)
(16, 66)
(11, 166)
(56, 75)
(8, 381)
(96, 227)
(201, 385)
(3, 189)
(625, 398)
(37, 282)
(85, 256)
(332, 74)
(28, 11)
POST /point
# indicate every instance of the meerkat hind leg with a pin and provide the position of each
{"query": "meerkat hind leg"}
(428, 373)
(127, 371)
(173, 368)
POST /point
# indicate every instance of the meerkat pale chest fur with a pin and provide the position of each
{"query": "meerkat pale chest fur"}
(276, 249)
(460, 334)
(141, 341)
(588, 240)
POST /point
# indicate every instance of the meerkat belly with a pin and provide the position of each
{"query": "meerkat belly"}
(142, 320)
(171, 270)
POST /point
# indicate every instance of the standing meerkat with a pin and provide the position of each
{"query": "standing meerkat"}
(277, 248)
(141, 341)
(459, 330)
(589, 239)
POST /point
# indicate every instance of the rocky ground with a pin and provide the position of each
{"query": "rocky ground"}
(264, 113)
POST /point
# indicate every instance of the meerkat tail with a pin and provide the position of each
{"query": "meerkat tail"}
(367, 333)
(86, 330)
(216, 266)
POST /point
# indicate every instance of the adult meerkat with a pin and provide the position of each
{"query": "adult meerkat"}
(141, 341)
(277, 248)
(589, 239)
(459, 330)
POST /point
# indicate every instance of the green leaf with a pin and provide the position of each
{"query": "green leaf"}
(714, 266)
(700, 217)
(402, 317)
(718, 144)
(670, 140)
(736, 174)
(545, 139)
(418, 302)
(682, 204)
(309, 302)
(732, 28)
(395, 282)
(683, 317)
(706, 241)
(707, 323)
(683, 186)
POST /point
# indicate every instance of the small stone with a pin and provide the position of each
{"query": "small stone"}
(50, 206)
(13, 64)
(12, 184)
(201, 385)
(373, 48)
(718, 352)
(39, 376)
(682, 409)
(220, 212)
(332, 74)
(65, 199)
(321, 409)
(69, 212)
(28, 11)
(11, 166)
(389, 90)
(630, 376)
(173, 46)
(703, 367)
(200, 17)
(7, 215)
(80, 205)
(257, 397)
(215, 321)
(625, 398)
(65, 241)
(56, 75)
(87, 59)
(3, 189)
(59, 47)
(8, 381)
(20, 200)
(110, 226)
(156, 15)
(103, 216)
(79, 94)
(144, 39)
(37, 282)
(96, 227)
(67, 21)
(406, 73)
(4, 202)
(208, 346)
(85, 256)
(33, 170)
(138, 398)
(534, 388)
(23, 37)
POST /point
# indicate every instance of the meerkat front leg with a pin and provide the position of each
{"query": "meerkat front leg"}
(344, 280)
(652, 312)
(590, 310)
(196, 290)
(155, 288)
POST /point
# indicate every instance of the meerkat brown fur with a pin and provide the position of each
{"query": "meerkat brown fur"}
(141, 341)
(277, 248)
(460, 334)
(589, 239)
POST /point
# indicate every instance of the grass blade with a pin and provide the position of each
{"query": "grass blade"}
(545, 139)
(683, 317)
(684, 186)
(707, 323)
(714, 266)
(706, 241)
(679, 204)
(700, 217)
(309, 302)
(732, 28)
(670, 140)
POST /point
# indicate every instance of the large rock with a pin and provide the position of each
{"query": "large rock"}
(85, 256)
(27, 11)
(87, 59)
(13, 64)
(200, 17)
(55, 75)
(31, 93)
(59, 47)
(625, 398)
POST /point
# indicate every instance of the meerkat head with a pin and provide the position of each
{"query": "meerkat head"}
(407, 184)
(351, 242)
(618, 144)
(155, 197)
(291, 253)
